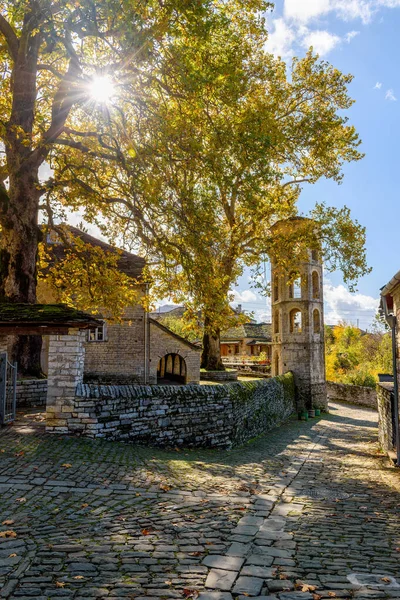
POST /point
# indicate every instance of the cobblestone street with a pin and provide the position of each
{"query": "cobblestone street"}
(309, 511)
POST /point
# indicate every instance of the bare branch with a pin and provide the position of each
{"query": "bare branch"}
(295, 181)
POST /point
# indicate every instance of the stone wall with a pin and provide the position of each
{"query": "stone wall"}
(260, 406)
(354, 394)
(120, 357)
(31, 392)
(217, 416)
(228, 375)
(385, 410)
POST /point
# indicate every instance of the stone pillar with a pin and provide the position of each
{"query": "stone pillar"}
(65, 372)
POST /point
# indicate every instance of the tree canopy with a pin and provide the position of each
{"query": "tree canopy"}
(202, 146)
(214, 150)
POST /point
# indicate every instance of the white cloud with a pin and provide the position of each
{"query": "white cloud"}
(341, 305)
(351, 35)
(390, 96)
(281, 39)
(322, 41)
(244, 296)
(378, 85)
(305, 10)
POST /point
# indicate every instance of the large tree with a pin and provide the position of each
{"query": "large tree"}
(218, 155)
(51, 54)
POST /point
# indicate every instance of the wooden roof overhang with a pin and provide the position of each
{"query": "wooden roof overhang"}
(42, 319)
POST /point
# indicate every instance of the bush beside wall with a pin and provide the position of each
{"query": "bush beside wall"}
(219, 416)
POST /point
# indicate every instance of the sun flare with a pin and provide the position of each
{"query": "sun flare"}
(102, 89)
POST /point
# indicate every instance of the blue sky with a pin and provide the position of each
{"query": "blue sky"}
(359, 37)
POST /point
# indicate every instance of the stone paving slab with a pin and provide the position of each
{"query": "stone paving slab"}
(296, 514)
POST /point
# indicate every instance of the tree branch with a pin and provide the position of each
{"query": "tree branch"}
(10, 36)
(295, 181)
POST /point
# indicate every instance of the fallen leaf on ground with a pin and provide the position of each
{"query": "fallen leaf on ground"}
(2, 450)
(145, 532)
(13, 555)
(332, 594)
(8, 522)
(84, 505)
(198, 553)
(164, 487)
(188, 593)
(9, 533)
(385, 579)
(67, 465)
(316, 597)
(79, 577)
(308, 588)
(20, 500)
(21, 453)
(137, 494)
(282, 576)
(60, 584)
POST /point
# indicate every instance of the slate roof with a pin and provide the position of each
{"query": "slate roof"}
(261, 332)
(43, 315)
(130, 264)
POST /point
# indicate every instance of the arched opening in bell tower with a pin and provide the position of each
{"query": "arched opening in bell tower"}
(296, 321)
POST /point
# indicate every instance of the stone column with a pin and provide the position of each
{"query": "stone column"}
(65, 372)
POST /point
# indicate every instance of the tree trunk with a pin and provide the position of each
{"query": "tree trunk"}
(18, 260)
(211, 356)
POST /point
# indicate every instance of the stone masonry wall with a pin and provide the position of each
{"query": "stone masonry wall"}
(31, 392)
(121, 356)
(217, 416)
(228, 375)
(354, 394)
(258, 408)
(385, 410)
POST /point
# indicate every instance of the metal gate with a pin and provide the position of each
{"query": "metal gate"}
(8, 390)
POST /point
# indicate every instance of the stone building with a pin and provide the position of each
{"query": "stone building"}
(136, 350)
(246, 341)
(298, 327)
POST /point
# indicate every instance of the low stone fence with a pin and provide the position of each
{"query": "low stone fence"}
(229, 375)
(219, 416)
(354, 394)
(31, 392)
(386, 416)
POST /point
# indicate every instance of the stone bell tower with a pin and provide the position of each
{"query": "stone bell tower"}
(298, 325)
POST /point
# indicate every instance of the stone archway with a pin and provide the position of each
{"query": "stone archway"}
(171, 367)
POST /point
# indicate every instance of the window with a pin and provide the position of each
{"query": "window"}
(314, 255)
(295, 288)
(315, 284)
(97, 334)
(236, 348)
(295, 321)
(316, 321)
